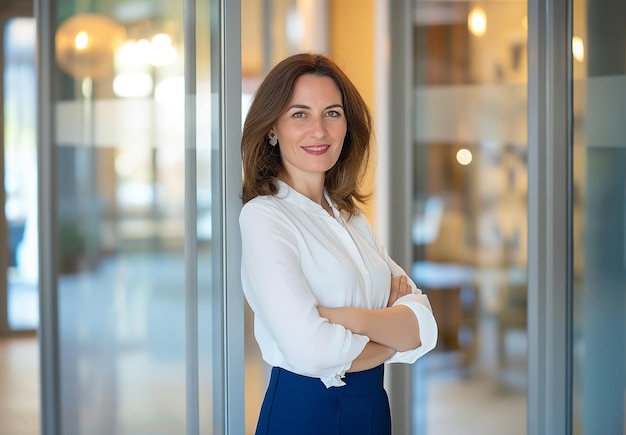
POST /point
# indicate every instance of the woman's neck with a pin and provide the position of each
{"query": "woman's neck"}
(311, 188)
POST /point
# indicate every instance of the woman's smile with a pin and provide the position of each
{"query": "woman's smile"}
(316, 150)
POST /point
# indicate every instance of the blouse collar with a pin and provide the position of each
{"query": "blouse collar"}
(291, 195)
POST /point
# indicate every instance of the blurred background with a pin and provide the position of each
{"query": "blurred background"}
(135, 216)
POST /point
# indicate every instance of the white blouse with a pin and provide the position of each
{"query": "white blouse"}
(296, 257)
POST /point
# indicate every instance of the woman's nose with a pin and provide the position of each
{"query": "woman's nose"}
(317, 127)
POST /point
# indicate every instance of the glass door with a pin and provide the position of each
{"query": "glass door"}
(469, 212)
(136, 212)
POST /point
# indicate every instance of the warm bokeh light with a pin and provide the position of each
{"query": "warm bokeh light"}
(81, 41)
(464, 156)
(477, 22)
(578, 48)
(85, 45)
(159, 51)
(132, 54)
(162, 52)
(133, 85)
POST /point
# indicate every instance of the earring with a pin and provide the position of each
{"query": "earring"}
(273, 140)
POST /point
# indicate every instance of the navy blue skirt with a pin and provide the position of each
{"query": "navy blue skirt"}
(296, 404)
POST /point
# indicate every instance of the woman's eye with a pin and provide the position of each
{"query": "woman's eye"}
(333, 114)
(298, 115)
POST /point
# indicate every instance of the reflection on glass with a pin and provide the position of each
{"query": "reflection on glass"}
(120, 142)
(20, 179)
(470, 225)
(599, 218)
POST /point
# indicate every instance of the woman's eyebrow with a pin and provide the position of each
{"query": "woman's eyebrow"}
(304, 106)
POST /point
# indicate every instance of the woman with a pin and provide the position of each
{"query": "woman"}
(330, 305)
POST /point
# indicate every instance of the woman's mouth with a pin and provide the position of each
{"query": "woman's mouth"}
(316, 149)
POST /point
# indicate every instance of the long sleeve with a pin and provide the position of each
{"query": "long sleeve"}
(278, 288)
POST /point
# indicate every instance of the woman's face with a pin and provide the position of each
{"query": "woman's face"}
(310, 132)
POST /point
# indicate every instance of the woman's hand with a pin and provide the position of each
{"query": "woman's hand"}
(346, 316)
(399, 287)
(372, 356)
(395, 327)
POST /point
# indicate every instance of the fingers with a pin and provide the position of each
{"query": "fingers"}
(403, 288)
(393, 291)
(399, 287)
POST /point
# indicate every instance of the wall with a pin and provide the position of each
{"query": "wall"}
(352, 30)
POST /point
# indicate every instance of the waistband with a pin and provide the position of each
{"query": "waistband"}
(357, 383)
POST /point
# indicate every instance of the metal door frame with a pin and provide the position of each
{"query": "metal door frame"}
(549, 401)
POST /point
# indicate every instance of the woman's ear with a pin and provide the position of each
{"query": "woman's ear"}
(273, 139)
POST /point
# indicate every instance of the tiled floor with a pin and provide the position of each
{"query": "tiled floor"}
(454, 406)
(19, 386)
(474, 407)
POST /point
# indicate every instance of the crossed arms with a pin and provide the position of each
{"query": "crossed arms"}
(391, 329)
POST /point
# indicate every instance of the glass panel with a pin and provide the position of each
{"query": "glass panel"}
(599, 217)
(469, 222)
(122, 182)
(20, 178)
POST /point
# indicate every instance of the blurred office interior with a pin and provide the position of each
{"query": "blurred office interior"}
(120, 306)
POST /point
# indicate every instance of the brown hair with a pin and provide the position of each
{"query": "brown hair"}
(262, 163)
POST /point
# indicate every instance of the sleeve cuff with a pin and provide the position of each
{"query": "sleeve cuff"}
(336, 380)
(420, 306)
